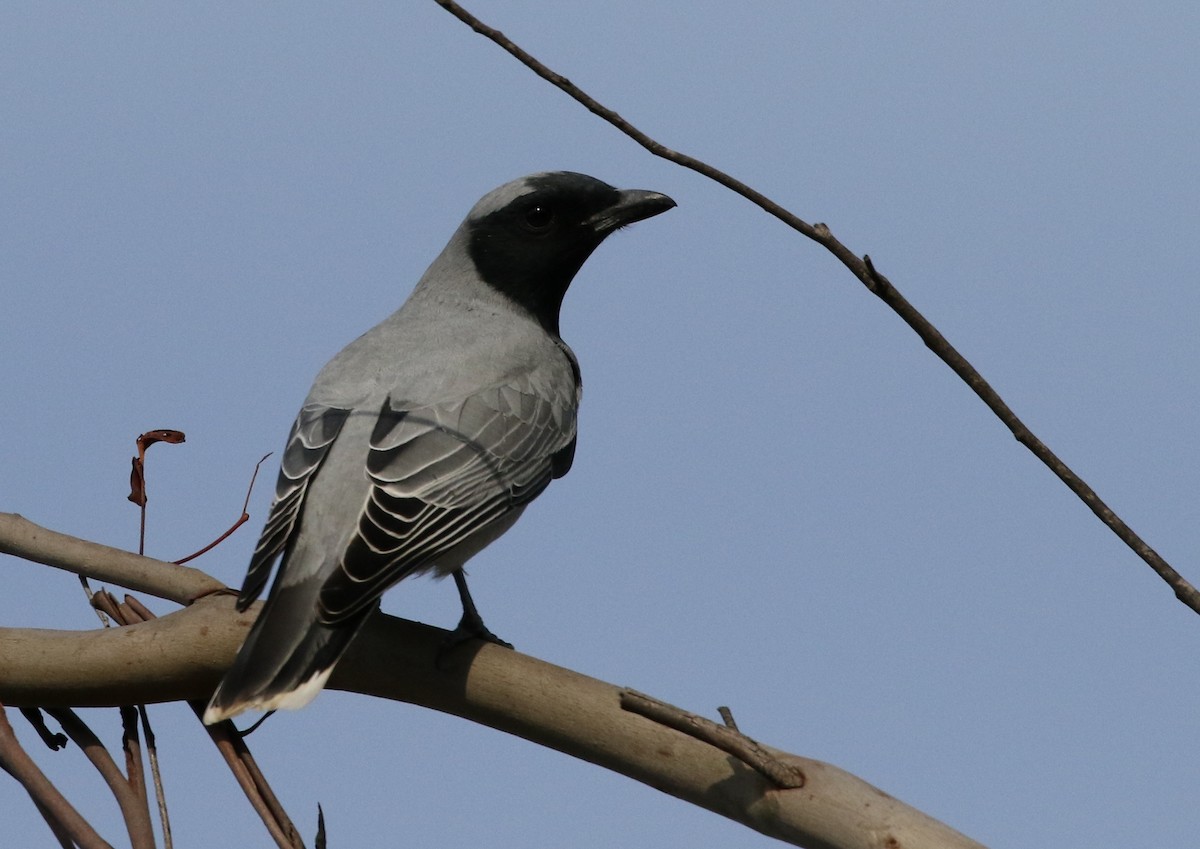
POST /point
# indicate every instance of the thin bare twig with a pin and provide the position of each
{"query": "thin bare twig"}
(58, 812)
(875, 283)
(87, 591)
(241, 520)
(729, 740)
(160, 795)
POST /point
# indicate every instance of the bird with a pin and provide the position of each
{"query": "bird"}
(425, 439)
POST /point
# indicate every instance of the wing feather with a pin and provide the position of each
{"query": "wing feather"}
(443, 474)
(315, 429)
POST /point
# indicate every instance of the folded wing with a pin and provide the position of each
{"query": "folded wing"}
(315, 429)
(442, 476)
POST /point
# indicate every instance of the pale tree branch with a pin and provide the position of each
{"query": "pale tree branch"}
(22, 538)
(877, 284)
(181, 656)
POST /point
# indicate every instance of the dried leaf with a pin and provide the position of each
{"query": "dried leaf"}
(174, 437)
(137, 477)
(137, 484)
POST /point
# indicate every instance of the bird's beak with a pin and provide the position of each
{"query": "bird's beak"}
(632, 205)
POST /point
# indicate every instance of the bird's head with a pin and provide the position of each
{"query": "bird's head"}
(528, 238)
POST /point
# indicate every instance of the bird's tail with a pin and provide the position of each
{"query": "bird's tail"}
(286, 659)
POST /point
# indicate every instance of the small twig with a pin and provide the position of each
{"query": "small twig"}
(87, 591)
(59, 813)
(728, 740)
(160, 795)
(131, 744)
(319, 843)
(241, 520)
(727, 717)
(875, 283)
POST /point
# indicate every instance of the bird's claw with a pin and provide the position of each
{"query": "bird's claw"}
(469, 628)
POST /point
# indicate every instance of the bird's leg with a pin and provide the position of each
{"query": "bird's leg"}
(471, 625)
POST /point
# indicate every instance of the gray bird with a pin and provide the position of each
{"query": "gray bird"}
(425, 438)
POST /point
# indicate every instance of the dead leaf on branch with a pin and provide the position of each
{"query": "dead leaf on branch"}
(137, 475)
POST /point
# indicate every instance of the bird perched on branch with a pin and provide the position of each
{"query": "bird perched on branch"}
(426, 437)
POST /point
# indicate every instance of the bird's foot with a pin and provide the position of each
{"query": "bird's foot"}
(469, 628)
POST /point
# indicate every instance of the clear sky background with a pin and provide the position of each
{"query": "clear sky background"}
(781, 502)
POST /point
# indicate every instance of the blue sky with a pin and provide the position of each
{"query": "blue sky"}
(781, 501)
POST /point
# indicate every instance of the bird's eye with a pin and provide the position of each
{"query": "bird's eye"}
(539, 218)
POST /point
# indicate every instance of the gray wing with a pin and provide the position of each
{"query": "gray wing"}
(443, 474)
(315, 429)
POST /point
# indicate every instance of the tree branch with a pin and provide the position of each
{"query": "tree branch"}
(182, 656)
(877, 284)
(22, 538)
(724, 737)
